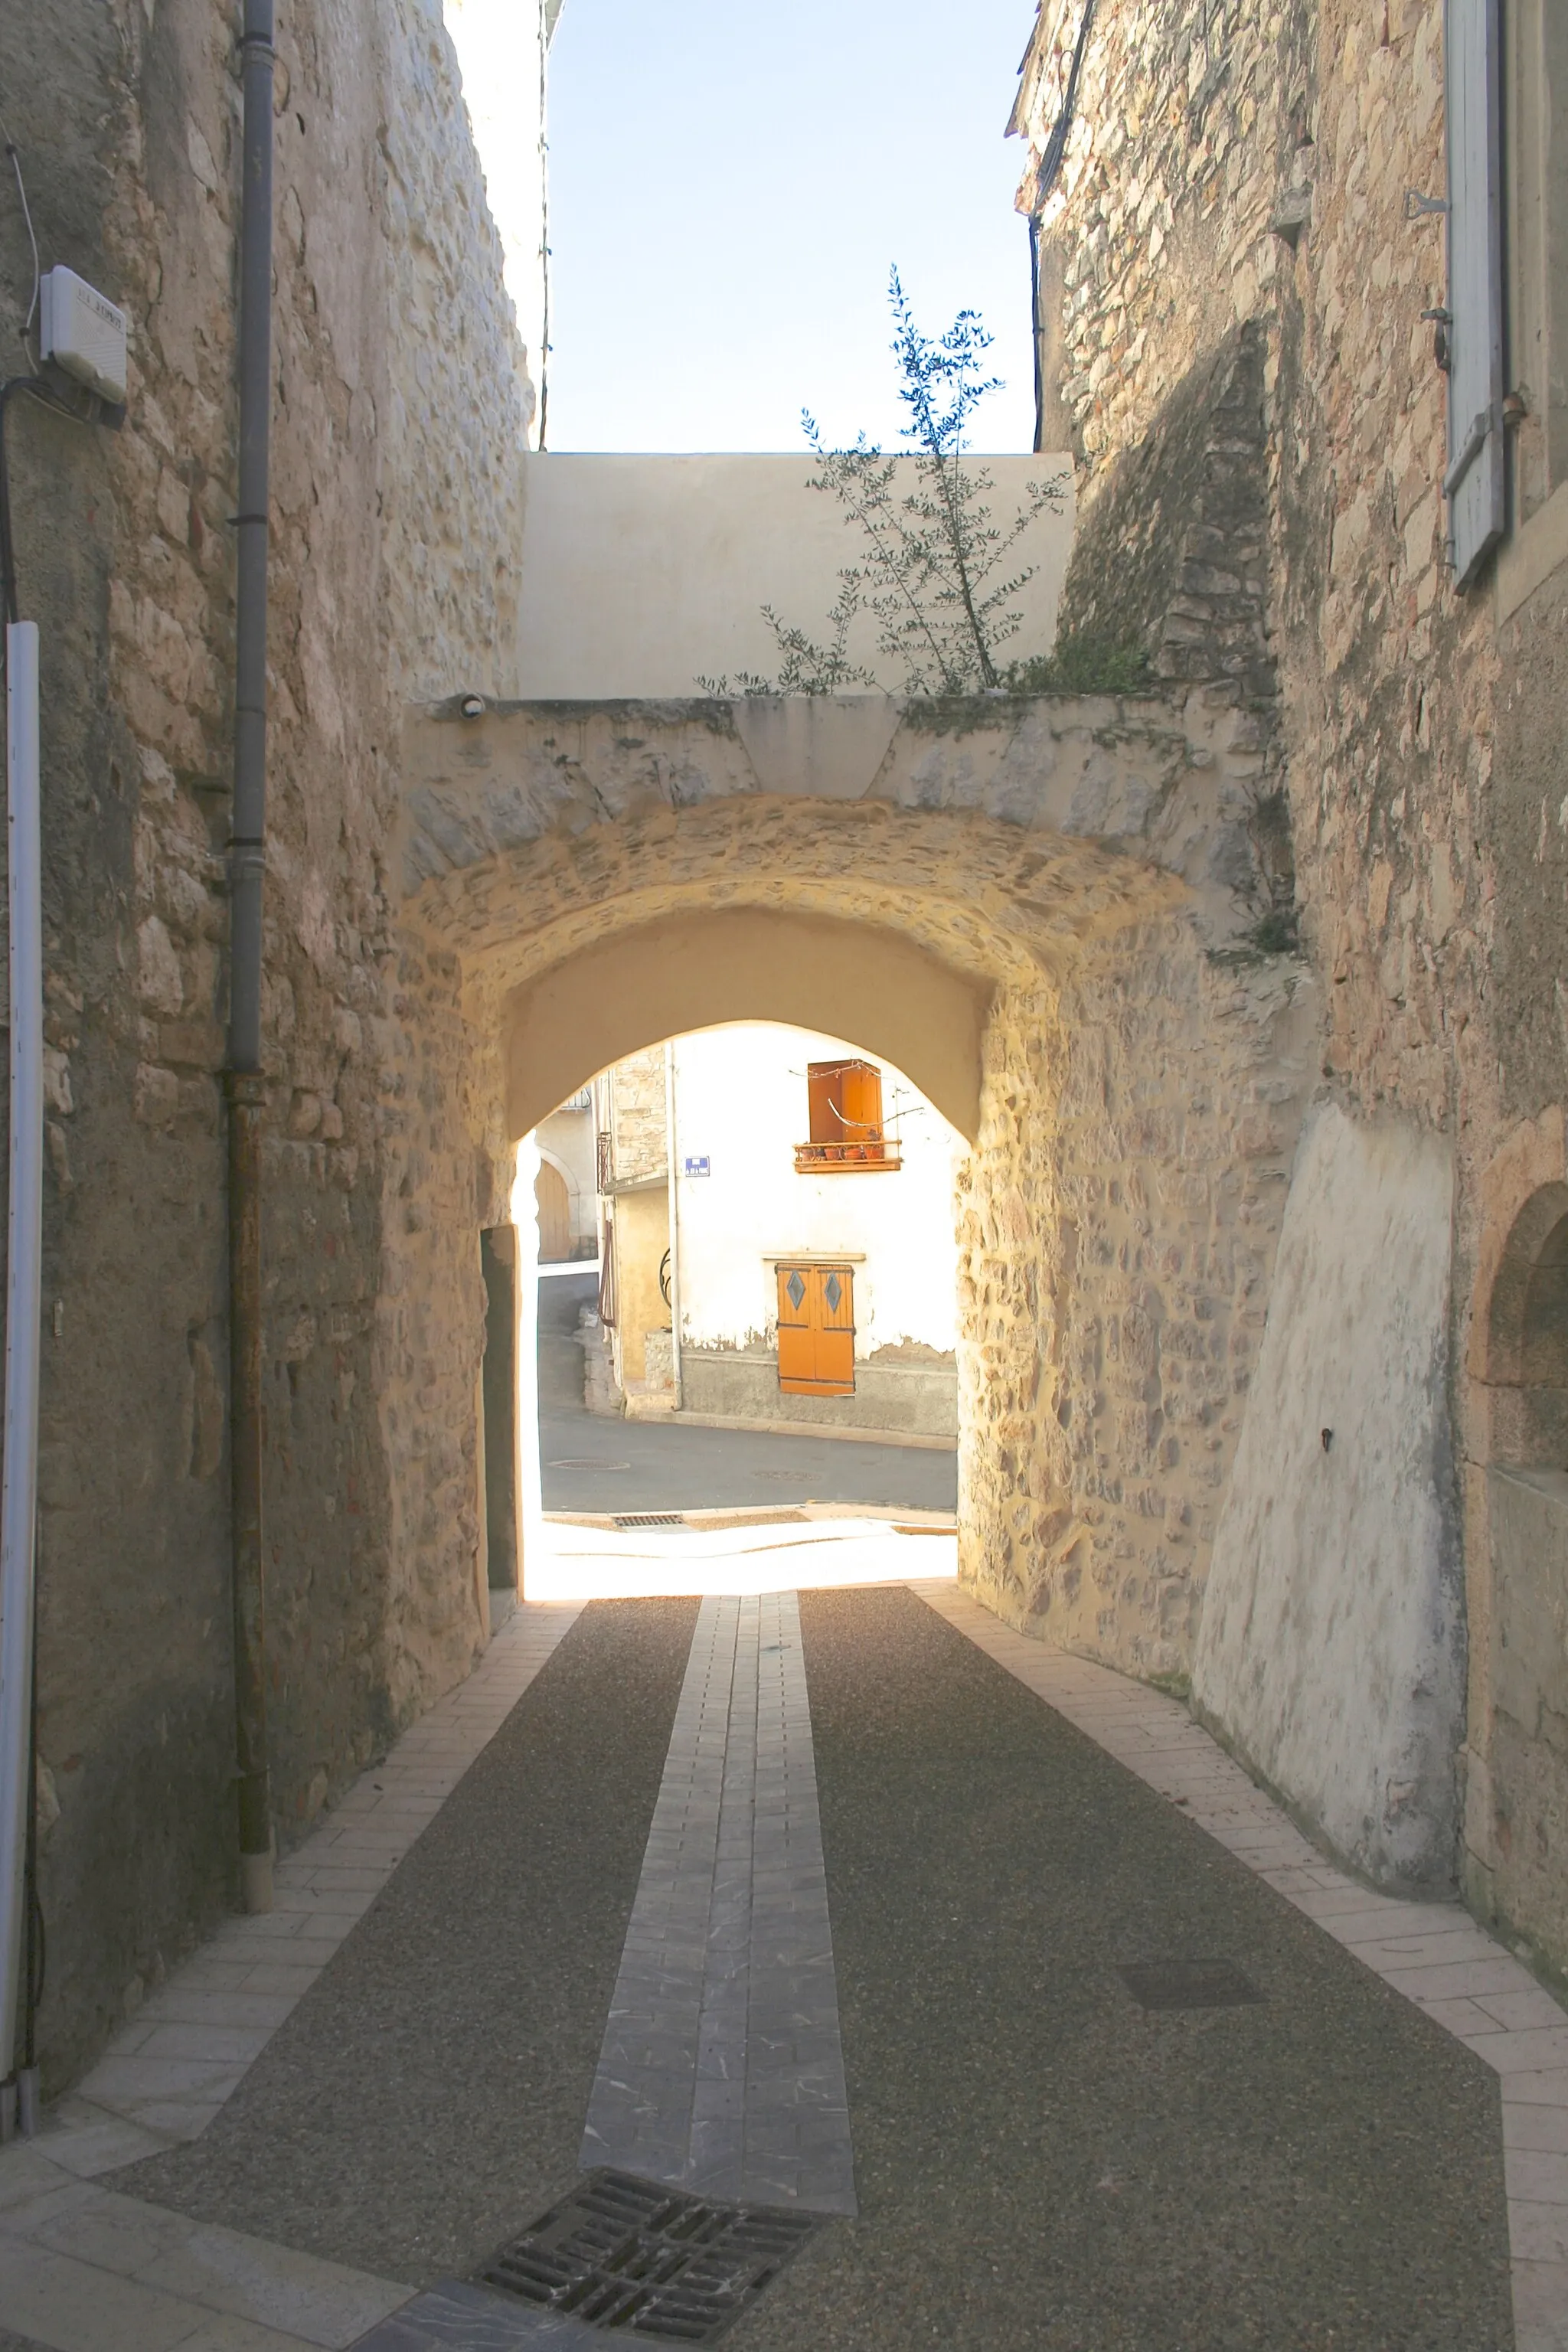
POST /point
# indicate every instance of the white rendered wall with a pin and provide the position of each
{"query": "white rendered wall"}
(641, 573)
(1330, 1648)
(500, 46)
(740, 1102)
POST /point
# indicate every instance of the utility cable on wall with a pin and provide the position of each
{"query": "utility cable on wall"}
(1046, 172)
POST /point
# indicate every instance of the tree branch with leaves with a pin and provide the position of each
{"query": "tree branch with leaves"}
(935, 575)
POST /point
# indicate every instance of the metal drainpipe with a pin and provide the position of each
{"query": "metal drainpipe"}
(248, 859)
(24, 1301)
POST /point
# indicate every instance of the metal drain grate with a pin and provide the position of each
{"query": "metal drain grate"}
(640, 2259)
(648, 1518)
(1188, 1984)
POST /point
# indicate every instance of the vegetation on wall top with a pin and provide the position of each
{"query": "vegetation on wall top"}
(936, 573)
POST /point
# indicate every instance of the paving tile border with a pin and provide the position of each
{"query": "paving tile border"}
(1435, 1953)
(85, 2270)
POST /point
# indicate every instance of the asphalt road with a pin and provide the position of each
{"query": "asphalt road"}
(592, 1465)
(629, 1465)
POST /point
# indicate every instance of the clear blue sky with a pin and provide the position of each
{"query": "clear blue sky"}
(729, 184)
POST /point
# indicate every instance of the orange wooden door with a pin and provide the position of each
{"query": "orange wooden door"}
(817, 1331)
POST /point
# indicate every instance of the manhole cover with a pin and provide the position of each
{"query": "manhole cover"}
(633, 2256)
(648, 1518)
(1188, 1984)
(583, 1462)
(775, 1474)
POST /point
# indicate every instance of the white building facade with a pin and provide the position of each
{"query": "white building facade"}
(866, 1242)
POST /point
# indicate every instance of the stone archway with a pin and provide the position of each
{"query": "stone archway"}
(1036, 908)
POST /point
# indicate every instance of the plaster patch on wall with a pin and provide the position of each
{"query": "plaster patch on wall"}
(1329, 1651)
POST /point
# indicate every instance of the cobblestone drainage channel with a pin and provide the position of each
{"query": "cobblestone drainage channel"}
(1188, 1984)
(644, 2260)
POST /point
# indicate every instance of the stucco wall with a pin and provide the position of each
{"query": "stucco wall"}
(741, 1103)
(397, 434)
(642, 1237)
(567, 1140)
(640, 575)
(1330, 1646)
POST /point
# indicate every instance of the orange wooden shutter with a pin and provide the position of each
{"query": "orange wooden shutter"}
(861, 1102)
(836, 1330)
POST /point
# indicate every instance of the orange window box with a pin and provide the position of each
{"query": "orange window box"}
(846, 1159)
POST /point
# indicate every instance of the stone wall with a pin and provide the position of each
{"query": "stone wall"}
(637, 1116)
(1117, 1238)
(395, 496)
(1242, 172)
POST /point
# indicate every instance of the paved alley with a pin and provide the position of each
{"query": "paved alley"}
(809, 1901)
(592, 1463)
(628, 1466)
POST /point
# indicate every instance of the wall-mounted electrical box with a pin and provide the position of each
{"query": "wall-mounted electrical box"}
(83, 333)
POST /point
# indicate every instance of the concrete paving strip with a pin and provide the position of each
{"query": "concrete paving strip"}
(458, 2317)
(722, 2071)
(1434, 1953)
(922, 1443)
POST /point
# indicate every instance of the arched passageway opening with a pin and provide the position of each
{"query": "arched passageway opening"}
(1033, 910)
(768, 1332)
(1520, 1758)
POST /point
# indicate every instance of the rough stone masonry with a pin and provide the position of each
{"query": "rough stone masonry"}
(1265, 966)
(1234, 202)
(399, 410)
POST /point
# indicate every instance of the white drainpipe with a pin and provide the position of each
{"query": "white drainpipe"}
(674, 1217)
